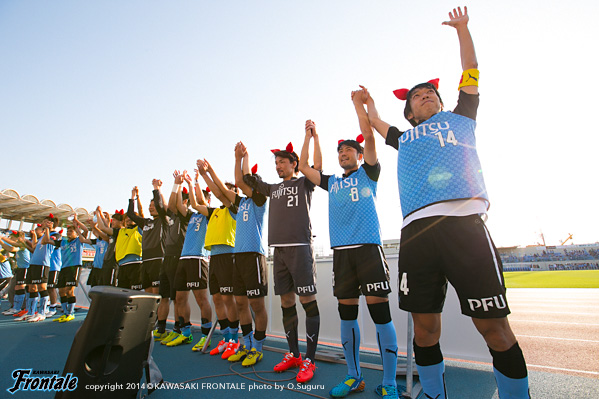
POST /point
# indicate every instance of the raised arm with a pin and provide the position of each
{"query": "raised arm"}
(359, 98)
(98, 233)
(181, 208)
(140, 209)
(203, 169)
(459, 21)
(172, 201)
(230, 194)
(304, 165)
(131, 212)
(46, 237)
(193, 202)
(80, 225)
(381, 126)
(82, 235)
(103, 225)
(242, 164)
(6, 246)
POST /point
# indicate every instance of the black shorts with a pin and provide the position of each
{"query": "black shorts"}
(192, 274)
(37, 274)
(294, 270)
(249, 275)
(150, 273)
(68, 277)
(109, 274)
(362, 269)
(167, 277)
(95, 276)
(221, 274)
(130, 276)
(21, 276)
(53, 279)
(459, 249)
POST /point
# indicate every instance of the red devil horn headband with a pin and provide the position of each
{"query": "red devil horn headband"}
(255, 169)
(185, 190)
(359, 139)
(207, 189)
(402, 94)
(51, 216)
(121, 212)
(289, 149)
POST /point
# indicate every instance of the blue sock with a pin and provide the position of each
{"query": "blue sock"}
(258, 344)
(186, 330)
(18, 301)
(511, 388)
(510, 372)
(32, 303)
(44, 301)
(350, 338)
(387, 340)
(432, 379)
(226, 334)
(248, 341)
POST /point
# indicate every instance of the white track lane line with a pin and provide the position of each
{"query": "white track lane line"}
(557, 338)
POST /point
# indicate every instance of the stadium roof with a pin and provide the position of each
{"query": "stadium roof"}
(28, 208)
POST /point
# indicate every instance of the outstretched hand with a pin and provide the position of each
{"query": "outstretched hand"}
(457, 19)
(360, 96)
(311, 128)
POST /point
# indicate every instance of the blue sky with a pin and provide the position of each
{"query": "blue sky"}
(97, 97)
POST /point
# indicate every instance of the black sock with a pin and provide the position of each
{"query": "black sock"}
(290, 325)
(312, 328)
(161, 326)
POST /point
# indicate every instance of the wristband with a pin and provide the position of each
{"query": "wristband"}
(469, 78)
(175, 188)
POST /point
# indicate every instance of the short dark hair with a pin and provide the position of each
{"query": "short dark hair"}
(351, 143)
(53, 219)
(291, 156)
(207, 194)
(408, 109)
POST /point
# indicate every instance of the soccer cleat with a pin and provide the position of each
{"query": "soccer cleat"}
(252, 358)
(50, 313)
(239, 355)
(68, 318)
(60, 318)
(36, 318)
(26, 316)
(172, 335)
(21, 313)
(180, 340)
(386, 391)
(200, 345)
(231, 349)
(306, 371)
(288, 362)
(10, 312)
(349, 384)
(159, 336)
(220, 348)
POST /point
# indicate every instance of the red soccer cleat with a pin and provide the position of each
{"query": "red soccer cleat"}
(288, 362)
(306, 371)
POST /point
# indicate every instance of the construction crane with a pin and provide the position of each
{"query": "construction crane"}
(566, 240)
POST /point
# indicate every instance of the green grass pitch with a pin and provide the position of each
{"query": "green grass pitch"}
(553, 279)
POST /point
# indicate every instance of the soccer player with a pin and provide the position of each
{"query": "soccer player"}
(220, 241)
(290, 233)
(127, 249)
(174, 244)
(71, 249)
(17, 245)
(250, 281)
(192, 268)
(443, 237)
(359, 265)
(37, 276)
(100, 243)
(153, 237)
(55, 266)
(110, 266)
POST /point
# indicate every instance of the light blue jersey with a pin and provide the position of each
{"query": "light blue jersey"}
(56, 261)
(101, 246)
(250, 223)
(353, 218)
(196, 234)
(41, 255)
(437, 161)
(23, 257)
(72, 252)
(5, 271)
